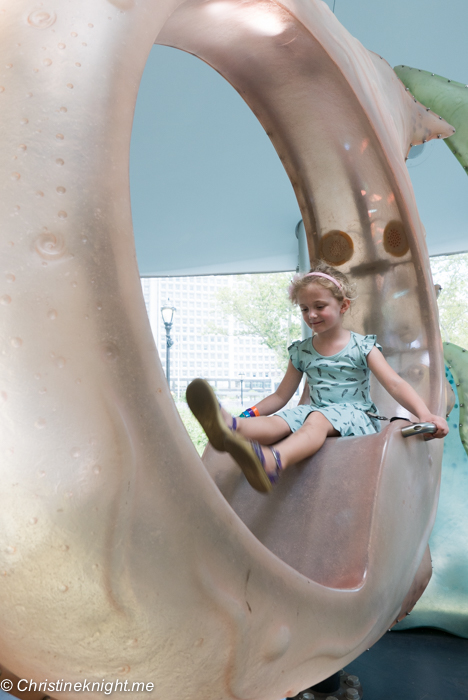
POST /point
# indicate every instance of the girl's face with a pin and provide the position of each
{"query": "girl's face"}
(320, 310)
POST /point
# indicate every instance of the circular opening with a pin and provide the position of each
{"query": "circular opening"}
(189, 180)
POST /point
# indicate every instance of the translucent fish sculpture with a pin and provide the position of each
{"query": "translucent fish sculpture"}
(119, 557)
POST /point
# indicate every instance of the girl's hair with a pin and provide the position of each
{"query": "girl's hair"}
(302, 280)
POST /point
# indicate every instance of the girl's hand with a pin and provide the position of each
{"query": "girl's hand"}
(404, 393)
(441, 423)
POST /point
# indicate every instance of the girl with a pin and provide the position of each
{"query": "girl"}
(337, 363)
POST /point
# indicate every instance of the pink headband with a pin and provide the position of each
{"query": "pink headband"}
(322, 274)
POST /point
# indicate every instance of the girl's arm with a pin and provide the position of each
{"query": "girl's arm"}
(404, 393)
(283, 394)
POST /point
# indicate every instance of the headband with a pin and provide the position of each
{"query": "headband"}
(328, 277)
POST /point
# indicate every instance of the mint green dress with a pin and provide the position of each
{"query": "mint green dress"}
(339, 386)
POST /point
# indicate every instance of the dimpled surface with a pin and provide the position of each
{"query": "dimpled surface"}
(119, 556)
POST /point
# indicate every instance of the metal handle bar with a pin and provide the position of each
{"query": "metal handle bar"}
(418, 429)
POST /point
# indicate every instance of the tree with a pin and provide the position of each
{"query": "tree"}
(260, 304)
(451, 272)
(261, 307)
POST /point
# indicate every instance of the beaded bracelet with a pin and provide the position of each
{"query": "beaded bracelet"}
(250, 412)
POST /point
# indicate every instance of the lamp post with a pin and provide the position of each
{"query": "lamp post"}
(241, 375)
(167, 313)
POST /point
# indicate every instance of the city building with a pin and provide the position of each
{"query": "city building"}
(206, 342)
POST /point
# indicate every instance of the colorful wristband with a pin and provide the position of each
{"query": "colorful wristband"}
(250, 412)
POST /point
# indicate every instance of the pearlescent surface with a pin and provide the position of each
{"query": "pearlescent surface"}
(119, 555)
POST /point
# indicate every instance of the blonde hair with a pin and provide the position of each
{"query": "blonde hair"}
(302, 280)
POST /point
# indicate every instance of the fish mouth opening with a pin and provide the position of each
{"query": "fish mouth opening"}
(356, 216)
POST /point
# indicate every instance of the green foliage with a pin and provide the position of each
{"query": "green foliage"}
(193, 427)
(260, 304)
(451, 272)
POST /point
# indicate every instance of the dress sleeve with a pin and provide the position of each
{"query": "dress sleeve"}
(367, 343)
(294, 355)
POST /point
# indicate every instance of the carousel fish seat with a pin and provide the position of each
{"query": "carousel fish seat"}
(120, 558)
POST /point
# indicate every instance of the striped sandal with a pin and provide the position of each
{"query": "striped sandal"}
(272, 476)
(249, 456)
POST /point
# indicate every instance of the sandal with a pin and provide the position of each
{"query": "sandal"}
(249, 456)
(272, 476)
(204, 405)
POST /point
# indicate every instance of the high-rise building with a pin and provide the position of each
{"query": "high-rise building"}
(206, 342)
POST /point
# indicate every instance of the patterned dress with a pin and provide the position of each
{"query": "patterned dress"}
(339, 386)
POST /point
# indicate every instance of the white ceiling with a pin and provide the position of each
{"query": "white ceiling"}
(207, 186)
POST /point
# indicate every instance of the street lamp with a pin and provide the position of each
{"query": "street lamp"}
(167, 313)
(241, 375)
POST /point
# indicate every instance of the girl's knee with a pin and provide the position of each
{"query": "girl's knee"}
(318, 423)
(265, 429)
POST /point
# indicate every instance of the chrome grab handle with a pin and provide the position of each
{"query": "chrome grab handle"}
(418, 429)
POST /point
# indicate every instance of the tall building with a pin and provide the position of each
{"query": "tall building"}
(232, 363)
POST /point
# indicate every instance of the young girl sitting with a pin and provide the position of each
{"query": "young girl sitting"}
(337, 363)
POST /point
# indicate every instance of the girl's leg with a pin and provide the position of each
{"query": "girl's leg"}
(264, 429)
(218, 423)
(305, 442)
(260, 466)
